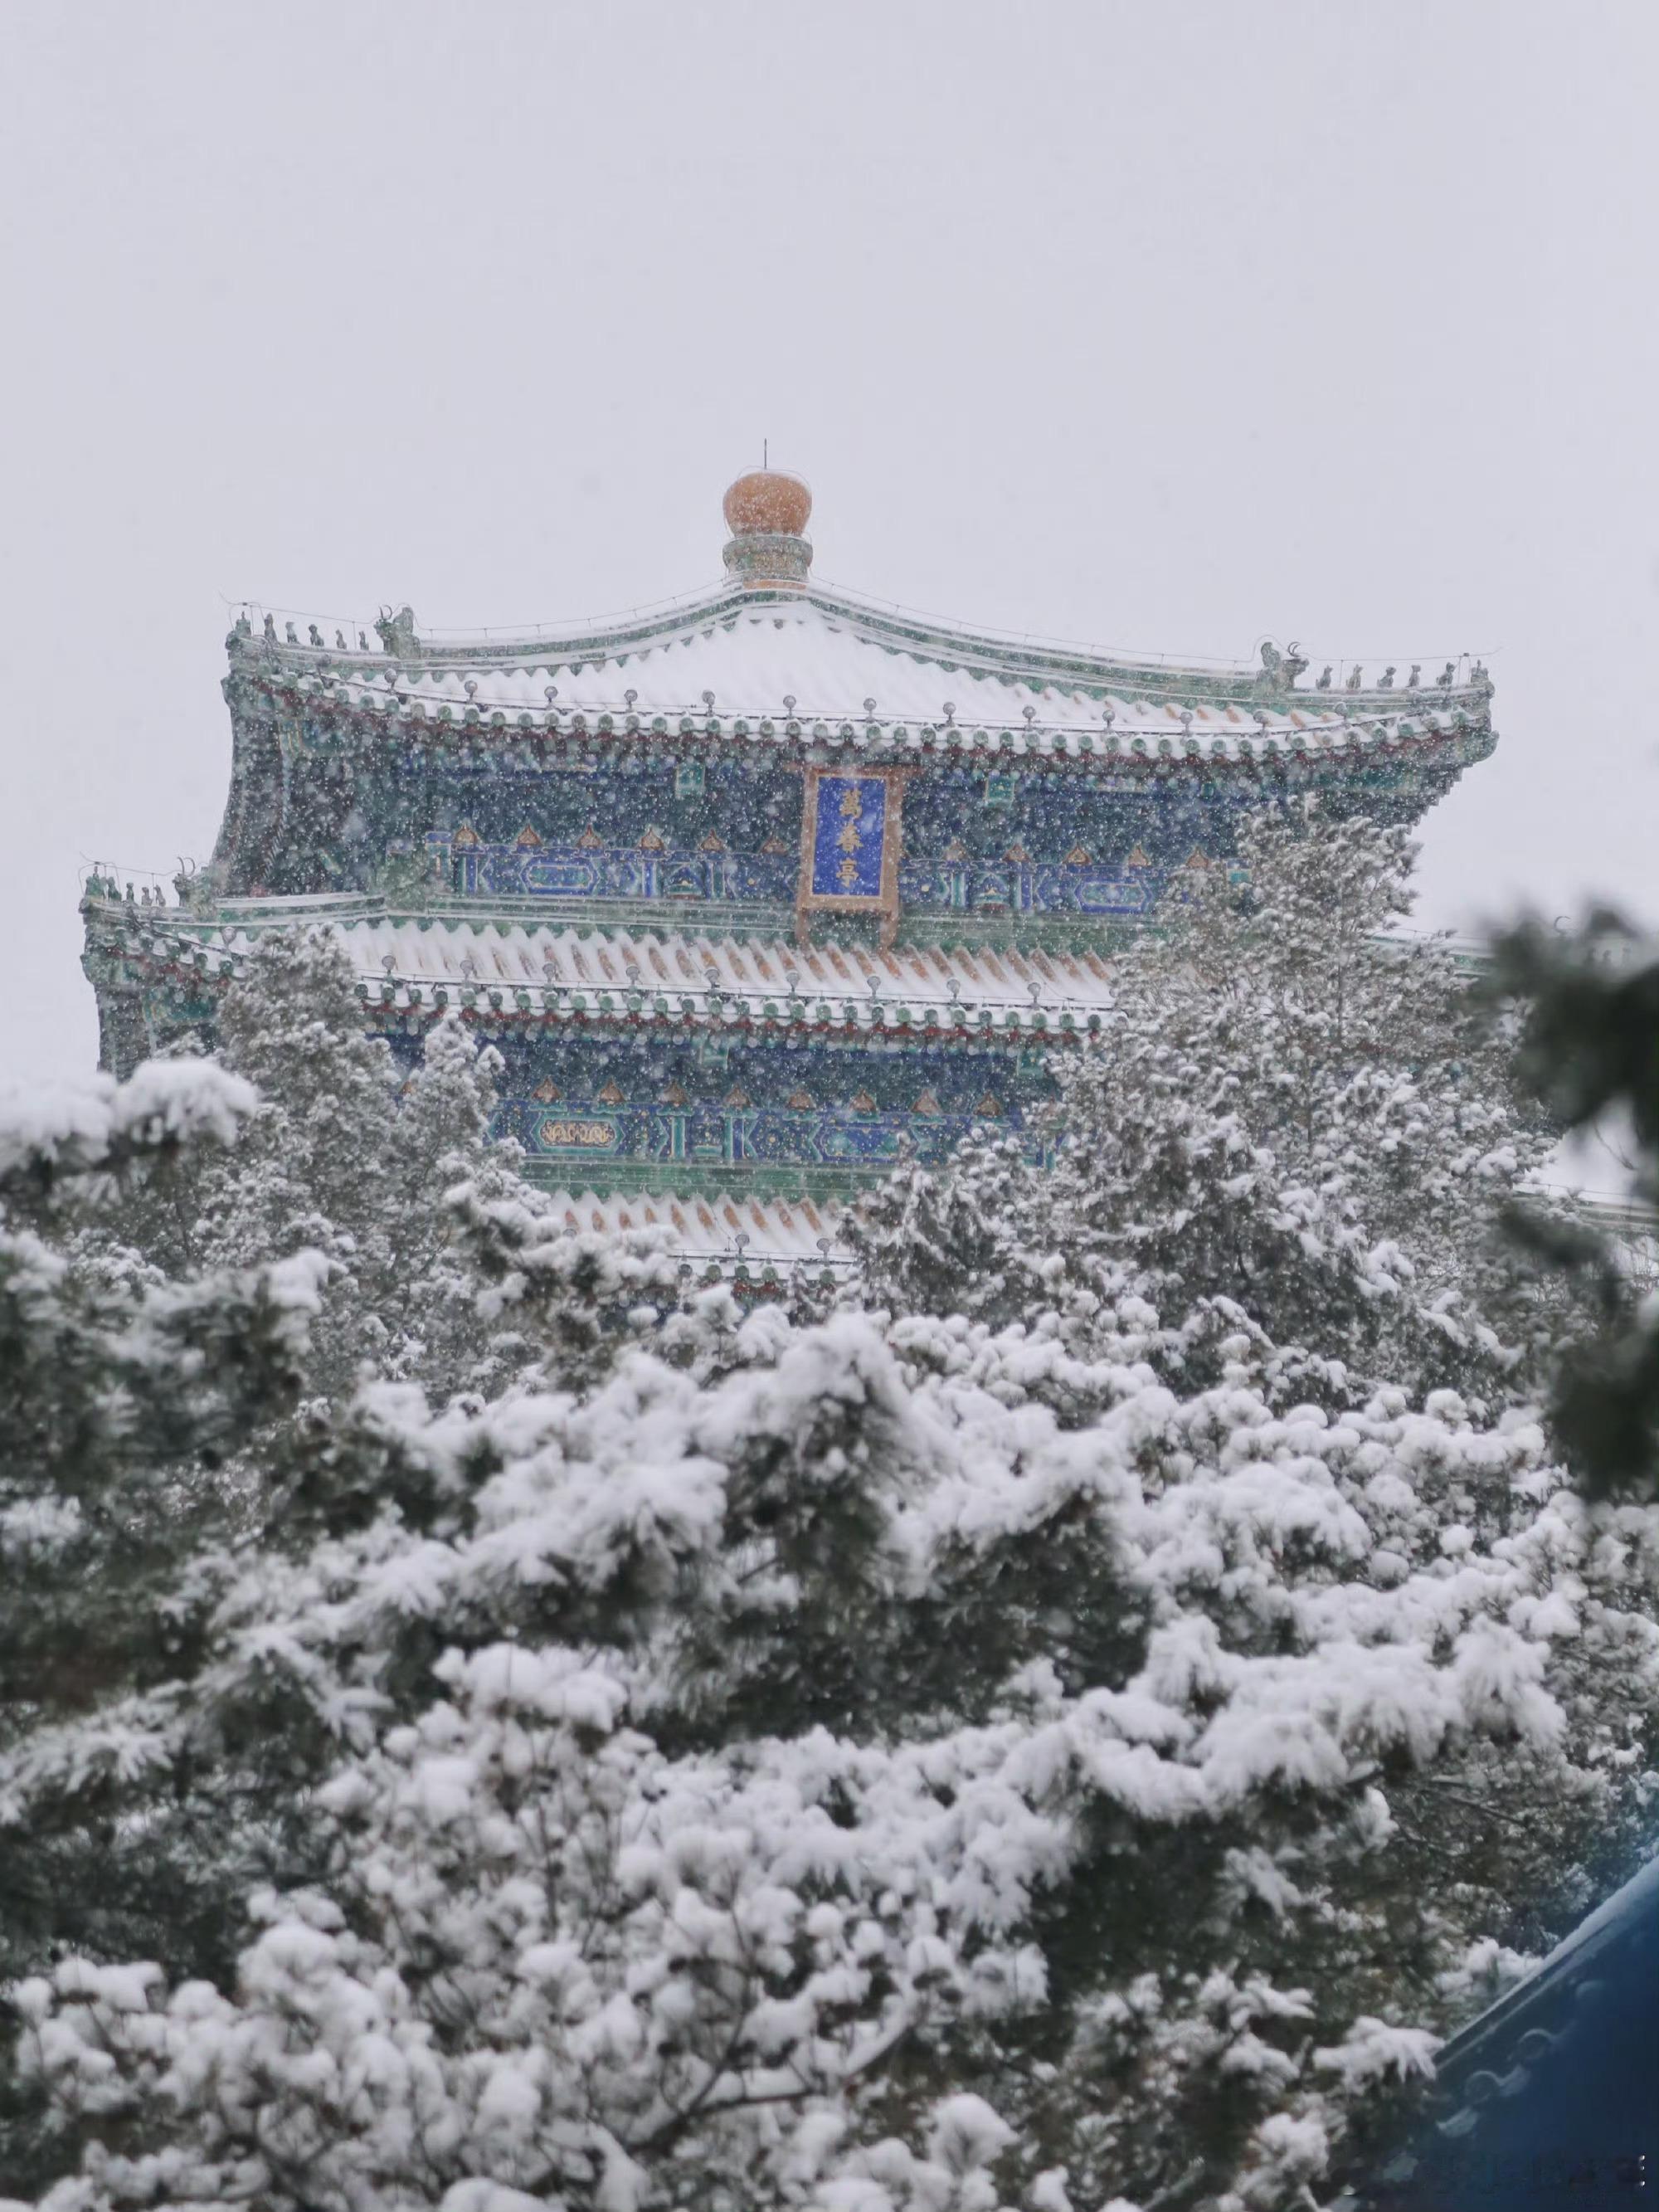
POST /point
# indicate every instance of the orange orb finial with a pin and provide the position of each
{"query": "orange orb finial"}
(767, 502)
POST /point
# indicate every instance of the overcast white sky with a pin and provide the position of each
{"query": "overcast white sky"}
(1161, 326)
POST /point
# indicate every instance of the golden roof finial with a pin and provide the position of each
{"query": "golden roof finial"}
(766, 512)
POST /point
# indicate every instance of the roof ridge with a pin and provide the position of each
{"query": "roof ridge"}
(975, 650)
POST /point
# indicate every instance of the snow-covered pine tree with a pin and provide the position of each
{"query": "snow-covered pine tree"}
(127, 1394)
(1291, 1113)
(164, 1408)
(327, 1164)
(304, 1171)
(880, 1766)
(318, 1166)
(837, 1782)
(1381, 1069)
(1590, 1047)
(947, 1242)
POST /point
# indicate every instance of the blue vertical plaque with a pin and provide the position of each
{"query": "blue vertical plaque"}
(850, 838)
(850, 845)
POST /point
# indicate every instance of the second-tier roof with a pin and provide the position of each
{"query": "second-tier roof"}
(608, 976)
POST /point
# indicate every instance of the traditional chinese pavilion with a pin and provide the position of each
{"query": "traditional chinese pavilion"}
(752, 890)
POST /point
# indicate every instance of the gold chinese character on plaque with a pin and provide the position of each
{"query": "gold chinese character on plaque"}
(848, 872)
(850, 802)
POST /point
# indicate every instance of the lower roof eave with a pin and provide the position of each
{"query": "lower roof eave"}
(724, 1232)
(411, 973)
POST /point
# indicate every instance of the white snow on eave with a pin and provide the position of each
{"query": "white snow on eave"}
(783, 1231)
(754, 971)
(553, 967)
(799, 661)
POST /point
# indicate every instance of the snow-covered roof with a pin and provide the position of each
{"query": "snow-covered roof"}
(724, 1233)
(775, 667)
(627, 977)
(1592, 1995)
